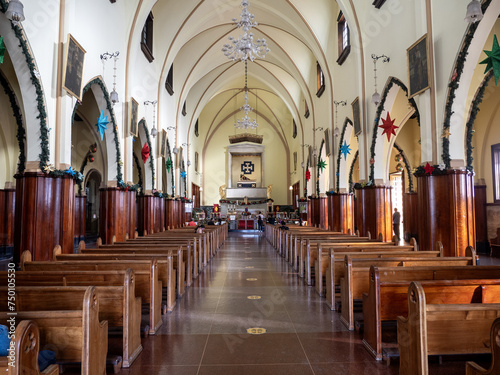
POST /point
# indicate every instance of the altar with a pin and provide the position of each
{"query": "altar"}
(246, 193)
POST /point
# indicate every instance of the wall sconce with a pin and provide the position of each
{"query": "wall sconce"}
(343, 103)
(15, 11)
(154, 132)
(474, 12)
(188, 163)
(319, 129)
(104, 57)
(290, 188)
(376, 96)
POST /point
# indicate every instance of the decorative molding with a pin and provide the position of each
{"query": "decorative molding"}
(246, 137)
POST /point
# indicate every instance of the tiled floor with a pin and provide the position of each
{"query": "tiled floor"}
(207, 331)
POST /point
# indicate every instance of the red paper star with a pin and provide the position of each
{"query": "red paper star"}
(145, 152)
(388, 126)
(428, 168)
(308, 175)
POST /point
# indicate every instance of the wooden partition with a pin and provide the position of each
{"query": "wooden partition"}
(131, 213)
(169, 213)
(146, 214)
(374, 211)
(410, 216)
(182, 213)
(323, 212)
(80, 219)
(44, 215)
(482, 241)
(313, 212)
(159, 207)
(446, 211)
(114, 214)
(7, 223)
(341, 212)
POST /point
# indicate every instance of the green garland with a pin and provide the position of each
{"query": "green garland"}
(305, 182)
(342, 135)
(139, 186)
(21, 132)
(407, 166)
(319, 169)
(172, 175)
(184, 179)
(109, 106)
(453, 86)
(472, 118)
(151, 157)
(393, 81)
(351, 187)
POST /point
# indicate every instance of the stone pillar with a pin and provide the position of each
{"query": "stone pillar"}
(44, 215)
(374, 211)
(341, 212)
(446, 211)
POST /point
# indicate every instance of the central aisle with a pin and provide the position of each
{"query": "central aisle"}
(207, 331)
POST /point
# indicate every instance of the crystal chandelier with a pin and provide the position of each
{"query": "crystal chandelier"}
(246, 122)
(245, 48)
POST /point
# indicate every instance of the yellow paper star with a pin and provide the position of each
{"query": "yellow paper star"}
(446, 133)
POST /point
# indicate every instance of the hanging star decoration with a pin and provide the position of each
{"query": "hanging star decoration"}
(169, 165)
(428, 169)
(145, 152)
(321, 164)
(345, 149)
(102, 121)
(2, 49)
(183, 174)
(493, 60)
(308, 174)
(446, 133)
(388, 126)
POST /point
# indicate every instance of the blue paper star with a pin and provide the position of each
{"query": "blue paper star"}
(70, 171)
(102, 121)
(345, 149)
(183, 174)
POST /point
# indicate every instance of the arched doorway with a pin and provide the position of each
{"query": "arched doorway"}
(92, 184)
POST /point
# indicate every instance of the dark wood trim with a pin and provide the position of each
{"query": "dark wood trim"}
(343, 55)
(321, 90)
(147, 52)
(378, 3)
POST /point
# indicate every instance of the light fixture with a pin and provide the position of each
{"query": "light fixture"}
(154, 132)
(376, 96)
(188, 163)
(343, 103)
(104, 57)
(15, 11)
(244, 48)
(290, 188)
(246, 122)
(302, 165)
(474, 12)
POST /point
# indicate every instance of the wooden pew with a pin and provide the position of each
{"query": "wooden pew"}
(495, 245)
(356, 276)
(472, 368)
(148, 286)
(26, 343)
(183, 255)
(69, 323)
(322, 263)
(118, 304)
(312, 253)
(388, 294)
(170, 273)
(444, 327)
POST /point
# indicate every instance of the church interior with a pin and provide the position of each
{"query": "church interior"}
(214, 178)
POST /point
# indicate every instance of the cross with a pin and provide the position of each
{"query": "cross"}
(247, 167)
